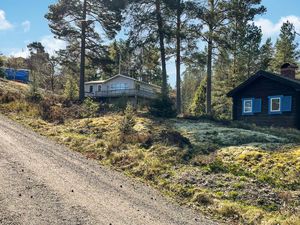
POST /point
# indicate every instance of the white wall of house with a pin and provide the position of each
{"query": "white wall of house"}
(117, 85)
(111, 85)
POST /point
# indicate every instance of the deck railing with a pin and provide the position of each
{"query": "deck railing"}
(122, 92)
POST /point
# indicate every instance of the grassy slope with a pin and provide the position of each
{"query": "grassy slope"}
(239, 175)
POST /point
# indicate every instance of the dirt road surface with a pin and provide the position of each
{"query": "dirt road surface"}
(44, 183)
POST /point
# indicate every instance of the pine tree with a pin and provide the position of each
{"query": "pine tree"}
(76, 22)
(71, 89)
(251, 50)
(238, 55)
(194, 73)
(184, 37)
(42, 65)
(198, 107)
(285, 47)
(212, 14)
(224, 82)
(266, 55)
(243, 38)
(147, 24)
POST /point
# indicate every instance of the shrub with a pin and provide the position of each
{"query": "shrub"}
(202, 198)
(74, 111)
(90, 108)
(2, 74)
(57, 114)
(173, 138)
(229, 210)
(7, 96)
(34, 95)
(71, 89)
(162, 107)
(51, 111)
(128, 121)
(217, 166)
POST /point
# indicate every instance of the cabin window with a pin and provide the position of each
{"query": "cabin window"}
(248, 106)
(99, 88)
(275, 105)
(91, 88)
(280, 104)
(251, 106)
(119, 86)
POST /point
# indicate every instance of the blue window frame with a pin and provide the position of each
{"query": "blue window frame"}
(251, 106)
(279, 104)
(247, 106)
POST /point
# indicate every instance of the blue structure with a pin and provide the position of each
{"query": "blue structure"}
(21, 75)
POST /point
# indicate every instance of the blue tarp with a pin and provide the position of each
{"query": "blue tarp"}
(17, 75)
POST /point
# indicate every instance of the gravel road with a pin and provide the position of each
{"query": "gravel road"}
(44, 183)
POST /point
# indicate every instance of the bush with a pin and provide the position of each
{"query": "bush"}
(51, 111)
(202, 198)
(229, 210)
(71, 89)
(90, 108)
(162, 107)
(7, 96)
(128, 121)
(2, 74)
(34, 95)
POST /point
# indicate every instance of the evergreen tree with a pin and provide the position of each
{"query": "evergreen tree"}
(142, 63)
(212, 14)
(238, 54)
(198, 107)
(251, 49)
(184, 37)
(42, 66)
(243, 38)
(194, 73)
(147, 22)
(266, 55)
(76, 22)
(223, 83)
(71, 89)
(286, 47)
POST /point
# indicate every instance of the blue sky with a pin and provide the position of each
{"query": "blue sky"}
(22, 21)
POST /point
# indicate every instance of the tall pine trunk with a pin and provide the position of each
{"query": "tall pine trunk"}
(162, 47)
(178, 58)
(82, 60)
(209, 75)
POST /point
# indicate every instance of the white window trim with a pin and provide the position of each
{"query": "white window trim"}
(246, 101)
(271, 105)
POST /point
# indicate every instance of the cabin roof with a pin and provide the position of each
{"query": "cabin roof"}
(120, 75)
(95, 82)
(272, 76)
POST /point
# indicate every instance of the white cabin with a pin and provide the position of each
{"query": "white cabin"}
(119, 86)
